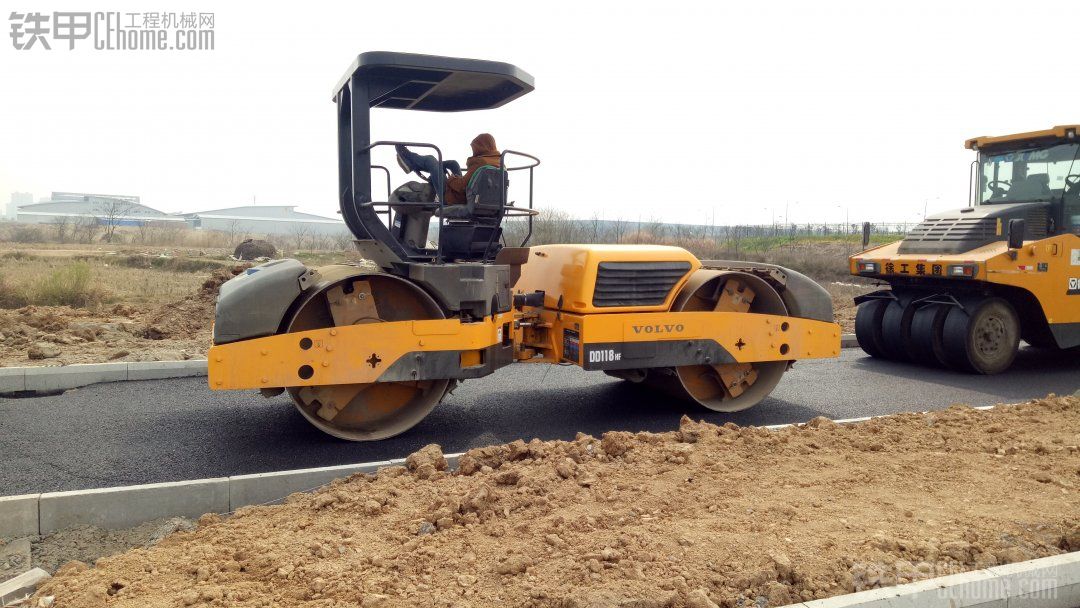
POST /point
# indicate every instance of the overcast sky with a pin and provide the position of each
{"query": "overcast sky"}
(679, 111)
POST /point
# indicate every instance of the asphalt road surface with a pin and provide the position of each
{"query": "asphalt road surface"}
(167, 430)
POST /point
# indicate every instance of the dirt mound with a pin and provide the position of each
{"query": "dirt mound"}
(89, 543)
(58, 335)
(253, 249)
(192, 315)
(704, 516)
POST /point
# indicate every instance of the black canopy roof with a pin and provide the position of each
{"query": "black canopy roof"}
(408, 81)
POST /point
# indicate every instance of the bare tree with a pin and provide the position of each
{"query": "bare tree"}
(86, 228)
(60, 225)
(342, 239)
(113, 210)
(144, 230)
(300, 233)
(169, 233)
(619, 227)
(235, 231)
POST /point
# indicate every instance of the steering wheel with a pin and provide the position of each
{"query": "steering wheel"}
(996, 184)
(1072, 180)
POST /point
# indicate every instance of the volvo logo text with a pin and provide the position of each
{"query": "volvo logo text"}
(658, 328)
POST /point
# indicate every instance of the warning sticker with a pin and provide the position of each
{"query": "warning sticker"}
(1076, 257)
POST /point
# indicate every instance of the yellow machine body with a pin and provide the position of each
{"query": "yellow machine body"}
(366, 351)
(595, 338)
(966, 286)
(1048, 269)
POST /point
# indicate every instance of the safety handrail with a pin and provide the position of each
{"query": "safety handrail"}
(388, 190)
(505, 171)
(508, 209)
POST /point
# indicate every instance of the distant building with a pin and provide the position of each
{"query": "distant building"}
(120, 210)
(17, 198)
(265, 219)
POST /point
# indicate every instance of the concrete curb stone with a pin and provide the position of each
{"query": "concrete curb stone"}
(273, 487)
(12, 379)
(157, 370)
(1050, 581)
(975, 589)
(128, 506)
(22, 586)
(19, 515)
(48, 379)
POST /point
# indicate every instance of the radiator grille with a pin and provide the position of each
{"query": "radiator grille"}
(954, 229)
(636, 283)
(1036, 223)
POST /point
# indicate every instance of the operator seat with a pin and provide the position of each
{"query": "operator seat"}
(1033, 186)
(411, 221)
(472, 231)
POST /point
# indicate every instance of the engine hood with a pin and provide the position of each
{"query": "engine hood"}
(965, 229)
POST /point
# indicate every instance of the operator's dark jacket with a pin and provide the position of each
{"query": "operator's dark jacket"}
(484, 153)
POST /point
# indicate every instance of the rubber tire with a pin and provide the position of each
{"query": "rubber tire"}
(896, 330)
(868, 327)
(961, 336)
(927, 344)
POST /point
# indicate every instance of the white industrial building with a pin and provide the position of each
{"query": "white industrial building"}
(11, 212)
(265, 219)
(117, 209)
(124, 210)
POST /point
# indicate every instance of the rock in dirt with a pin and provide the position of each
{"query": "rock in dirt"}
(426, 461)
(514, 564)
(14, 558)
(43, 350)
(699, 599)
(566, 468)
(617, 443)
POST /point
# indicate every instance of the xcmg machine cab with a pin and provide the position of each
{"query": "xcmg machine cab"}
(966, 286)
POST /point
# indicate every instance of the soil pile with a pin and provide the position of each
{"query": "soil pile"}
(704, 516)
(193, 315)
(89, 543)
(59, 335)
(253, 249)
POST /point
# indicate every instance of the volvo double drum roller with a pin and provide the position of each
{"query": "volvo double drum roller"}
(966, 286)
(366, 354)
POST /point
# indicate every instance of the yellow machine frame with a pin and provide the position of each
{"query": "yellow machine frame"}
(604, 338)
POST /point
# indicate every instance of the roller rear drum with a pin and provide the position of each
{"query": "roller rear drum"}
(347, 295)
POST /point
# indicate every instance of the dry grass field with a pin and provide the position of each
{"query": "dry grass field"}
(64, 302)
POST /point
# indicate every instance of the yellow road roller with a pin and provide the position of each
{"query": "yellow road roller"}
(965, 286)
(366, 351)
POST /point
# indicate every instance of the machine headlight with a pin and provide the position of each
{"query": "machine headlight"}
(868, 267)
(964, 271)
